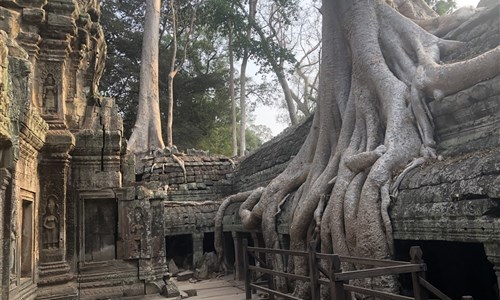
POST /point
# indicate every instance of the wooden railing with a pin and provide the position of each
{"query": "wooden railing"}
(333, 277)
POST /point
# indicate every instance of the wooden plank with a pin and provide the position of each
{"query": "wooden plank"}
(433, 289)
(337, 290)
(277, 273)
(323, 271)
(416, 258)
(278, 251)
(248, 291)
(313, 273)
(372, 262)
(276, 293)
(379, 272)
(365, 261)
(369, 292)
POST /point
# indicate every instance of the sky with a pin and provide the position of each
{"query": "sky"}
(267, 116)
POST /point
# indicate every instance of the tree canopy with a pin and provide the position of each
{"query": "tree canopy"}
(201, 107)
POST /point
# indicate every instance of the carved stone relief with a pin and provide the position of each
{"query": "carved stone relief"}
(13, 258)
(51, 225)
(137, 225)
(50, 93)
(50, 89)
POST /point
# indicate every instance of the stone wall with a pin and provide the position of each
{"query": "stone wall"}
(188, 177)
(261, 166)
(68, 207)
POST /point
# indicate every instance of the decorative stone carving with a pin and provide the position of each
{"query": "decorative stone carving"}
(137, 230)
(51, 225)
(13, 258)
(50, 99)
(4, 103)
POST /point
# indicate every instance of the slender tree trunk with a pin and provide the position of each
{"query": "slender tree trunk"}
(277, 68)
(171, 76)
(292, 112)
(234, 136)
(146, 134)
(252, 4)
(243, 105)
(174, 68)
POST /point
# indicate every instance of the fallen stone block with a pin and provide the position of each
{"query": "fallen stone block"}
(183, 276)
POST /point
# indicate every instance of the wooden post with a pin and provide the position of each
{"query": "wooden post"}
(416, 258)
(248, 291)
(272, 286)
(336, 287)
(313, 272)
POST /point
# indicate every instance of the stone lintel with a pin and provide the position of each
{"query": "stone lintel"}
(477, 230)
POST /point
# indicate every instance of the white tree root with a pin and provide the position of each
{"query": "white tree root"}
(240, 197)
(181, 164)
(413, 165)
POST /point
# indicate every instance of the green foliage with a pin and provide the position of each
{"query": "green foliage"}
(442, 7)
(201, 97)
(219, 140)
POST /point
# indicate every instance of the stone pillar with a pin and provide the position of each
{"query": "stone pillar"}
(493, 253)
(54, 269)
(238, 256)
(197, 247)
(4, 255)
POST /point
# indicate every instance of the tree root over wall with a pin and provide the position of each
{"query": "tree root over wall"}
(378, 69)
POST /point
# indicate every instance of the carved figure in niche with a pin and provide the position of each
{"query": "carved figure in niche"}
(136, 230)
(50, 95)
(13, 250)
(51, 225)
(137, 225)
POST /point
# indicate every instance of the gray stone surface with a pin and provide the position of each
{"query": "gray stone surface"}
(185, 275)
(172, 268)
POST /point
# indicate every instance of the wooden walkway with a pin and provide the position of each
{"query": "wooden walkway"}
(224, 288)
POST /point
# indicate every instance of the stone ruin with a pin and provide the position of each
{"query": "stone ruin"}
(79, 218)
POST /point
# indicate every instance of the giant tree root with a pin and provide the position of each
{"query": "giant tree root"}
(378, 70)
(252, 196)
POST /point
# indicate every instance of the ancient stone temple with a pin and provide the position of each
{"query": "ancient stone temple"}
(68, 226)
(79, 218)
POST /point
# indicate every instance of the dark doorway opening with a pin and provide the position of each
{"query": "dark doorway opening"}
(180, 249)
(229, 252)
(208, 242)
(457, 269)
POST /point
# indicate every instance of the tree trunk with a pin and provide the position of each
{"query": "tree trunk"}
(234, 135)
(174, 67)
(171, 76)
(276, 66)
(290, 104)
(243, 105)
(252, 5)
(146, 135)
(377, 70)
